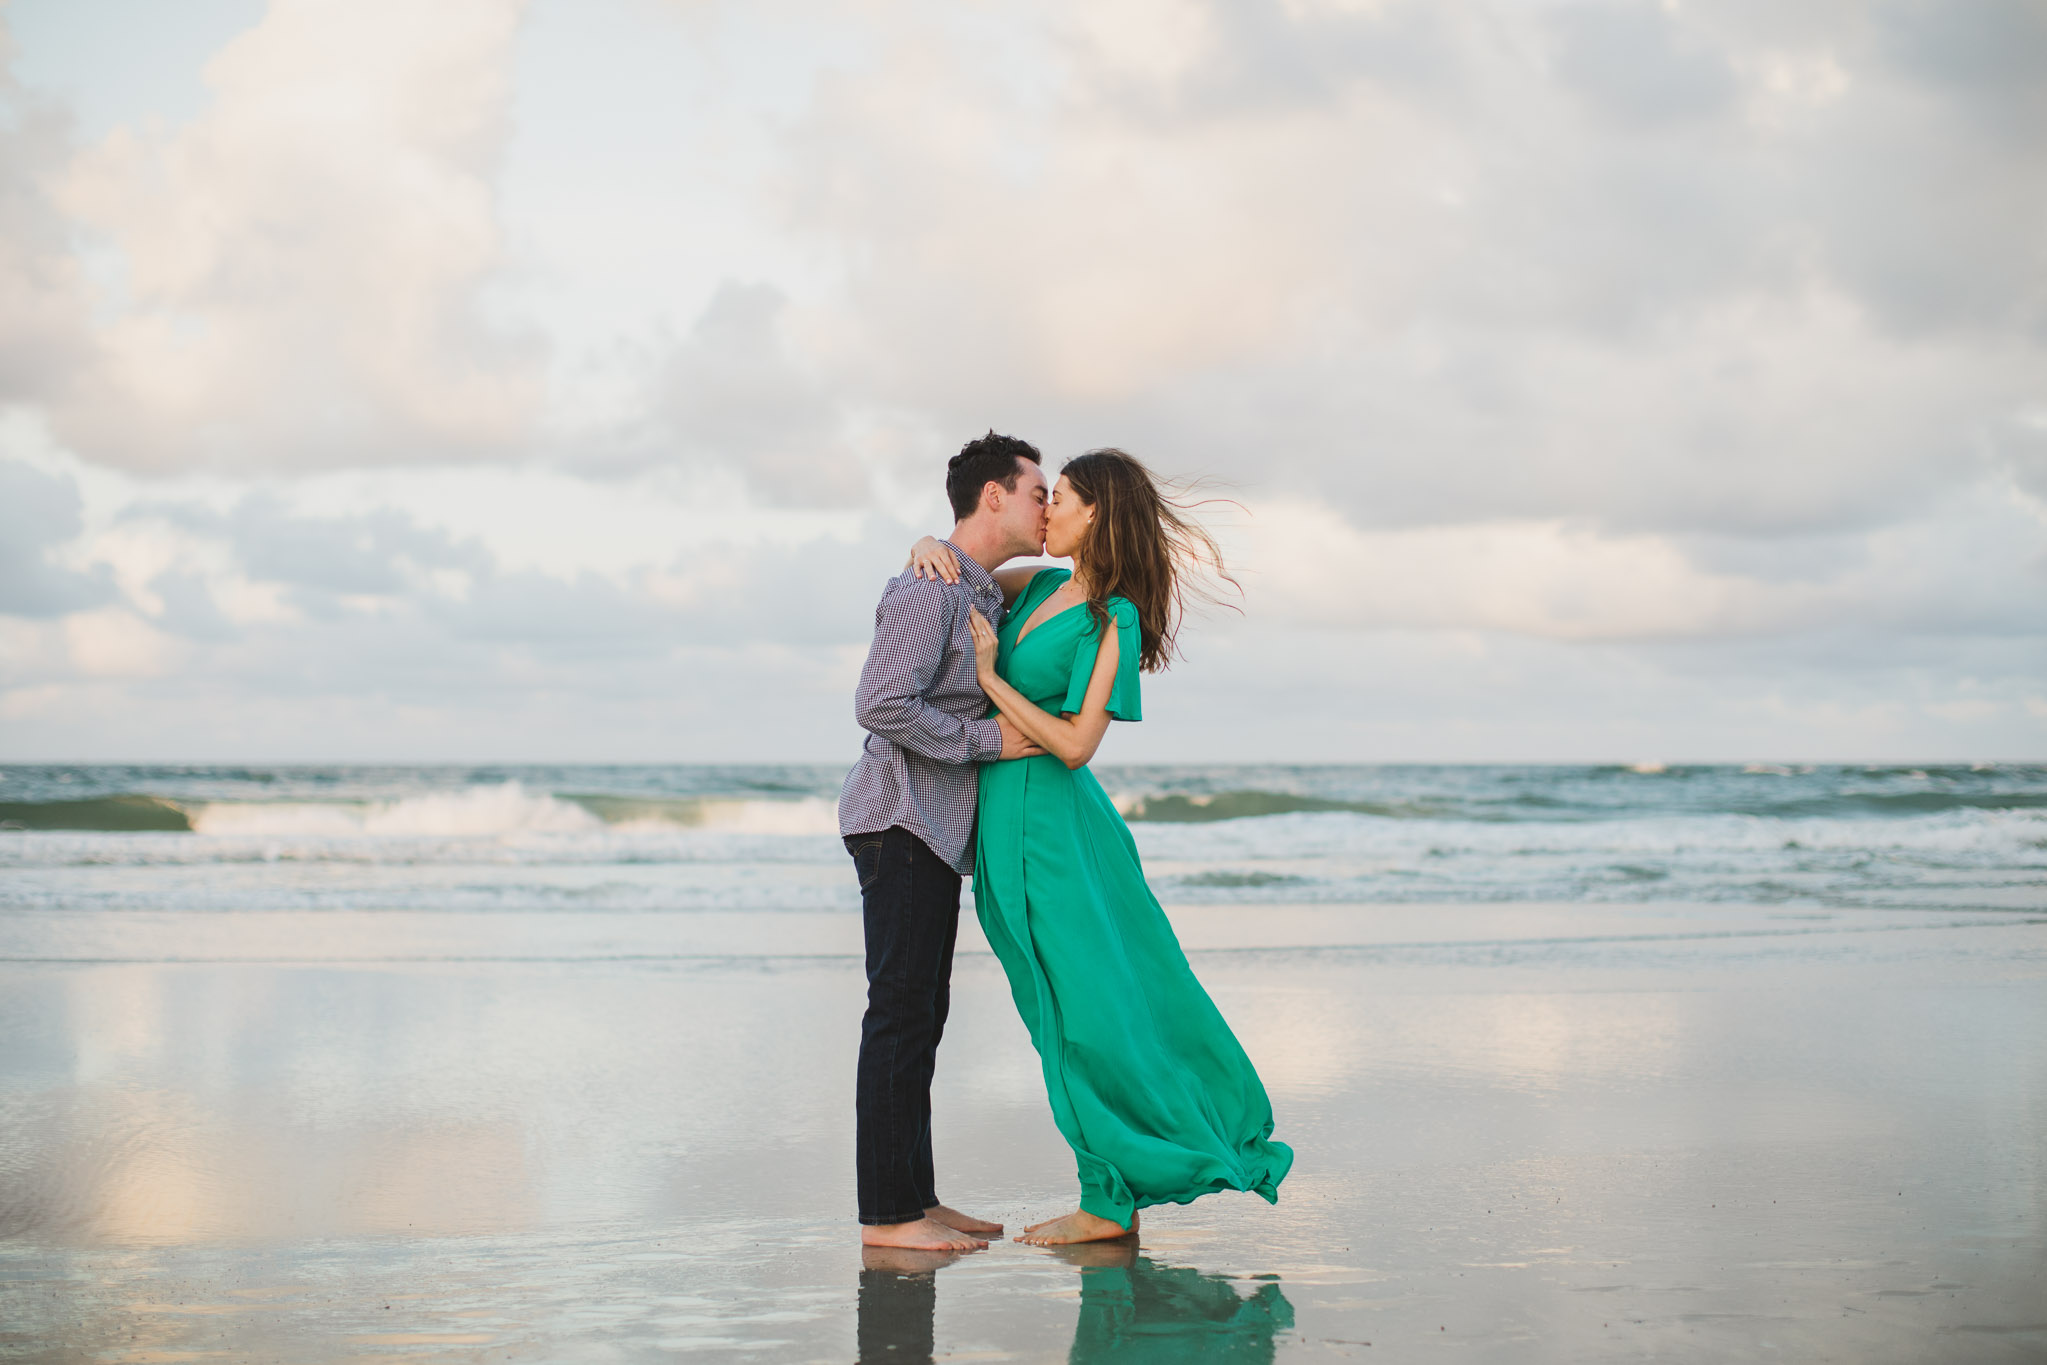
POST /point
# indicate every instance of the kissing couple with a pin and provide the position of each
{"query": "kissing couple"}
(985, 693)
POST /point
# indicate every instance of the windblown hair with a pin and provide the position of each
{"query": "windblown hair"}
(1144, 545)
(982, 461)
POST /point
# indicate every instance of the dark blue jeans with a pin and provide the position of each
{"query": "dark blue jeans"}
(910, 900)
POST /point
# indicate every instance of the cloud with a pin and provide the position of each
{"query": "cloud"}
(189, 609)
(1180, 60)
(264, 571)
(299, 274)
(1646, 265)
(1428, 695)
(732, 394)
(1656, 268)
(38, 513)
(1006, 257)
(243, 621)
(2022, 444)
(1985, 54)
(375, 553)
(42, 297)
(1637, 63)
(1973, 566)
(1764, 418)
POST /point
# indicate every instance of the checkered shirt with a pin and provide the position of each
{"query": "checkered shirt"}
(924, 714)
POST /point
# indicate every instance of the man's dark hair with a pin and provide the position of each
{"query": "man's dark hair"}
(982, 461)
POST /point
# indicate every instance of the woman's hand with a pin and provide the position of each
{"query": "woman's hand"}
(986, 645)
(933, 558)
(1072, 739)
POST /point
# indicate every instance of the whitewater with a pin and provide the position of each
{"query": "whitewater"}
(683, 838)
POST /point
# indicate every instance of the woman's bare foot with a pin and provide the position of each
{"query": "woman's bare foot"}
(924, 1234)
(963, 1222)
(1078, 1226)
(1050, 1221)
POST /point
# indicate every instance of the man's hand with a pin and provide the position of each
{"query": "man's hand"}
(1015, 743)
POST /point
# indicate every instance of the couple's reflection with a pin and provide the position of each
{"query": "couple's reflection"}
(1131, 1308)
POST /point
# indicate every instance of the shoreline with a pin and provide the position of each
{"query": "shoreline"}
(1407, 931)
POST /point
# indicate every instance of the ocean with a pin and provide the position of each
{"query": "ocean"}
(678, 838)
(1585, 1063)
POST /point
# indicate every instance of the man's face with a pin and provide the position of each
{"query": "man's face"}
(1023, 512)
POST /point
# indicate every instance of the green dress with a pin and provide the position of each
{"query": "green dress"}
(1147, 1083)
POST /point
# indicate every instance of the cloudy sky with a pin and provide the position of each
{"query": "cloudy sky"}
(561, 379)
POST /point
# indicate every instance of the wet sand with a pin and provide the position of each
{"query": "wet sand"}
(1525, 1134)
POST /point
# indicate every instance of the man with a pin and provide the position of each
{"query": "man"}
(907, 815)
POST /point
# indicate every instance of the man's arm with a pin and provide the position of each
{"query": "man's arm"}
(909, 646)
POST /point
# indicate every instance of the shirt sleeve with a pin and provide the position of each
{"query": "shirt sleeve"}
(1124, 701)
(911, 628)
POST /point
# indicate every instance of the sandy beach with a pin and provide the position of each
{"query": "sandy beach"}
(1525, 1133)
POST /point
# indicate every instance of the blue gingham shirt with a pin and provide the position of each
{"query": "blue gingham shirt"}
(924, 714)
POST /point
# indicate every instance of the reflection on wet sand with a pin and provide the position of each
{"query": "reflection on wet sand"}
(1829, 1149)
(1134, 1309)
(898, 1300)
(1131, 1308)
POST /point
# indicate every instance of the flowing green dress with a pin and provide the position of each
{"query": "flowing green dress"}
(1148, 1085)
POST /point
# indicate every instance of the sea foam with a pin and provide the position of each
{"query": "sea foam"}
(505, 808)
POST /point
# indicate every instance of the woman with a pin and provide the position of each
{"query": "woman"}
(1148, 1085)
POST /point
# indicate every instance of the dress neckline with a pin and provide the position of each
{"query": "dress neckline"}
(1027, 629)
(1025, 626)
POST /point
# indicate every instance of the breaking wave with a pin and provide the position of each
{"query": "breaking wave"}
(502, 809)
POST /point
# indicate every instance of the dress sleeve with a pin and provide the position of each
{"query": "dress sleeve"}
(1124, 702)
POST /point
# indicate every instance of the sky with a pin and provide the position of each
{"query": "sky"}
(561, 380)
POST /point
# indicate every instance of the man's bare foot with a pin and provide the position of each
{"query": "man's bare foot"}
(906, 1261)
(1050, 1221)
(922, 1235)
(1078, 1226)
(963, 1222)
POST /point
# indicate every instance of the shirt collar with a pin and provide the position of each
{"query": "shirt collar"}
(972, 576)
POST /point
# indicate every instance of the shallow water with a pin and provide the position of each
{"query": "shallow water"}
(1692, 1132)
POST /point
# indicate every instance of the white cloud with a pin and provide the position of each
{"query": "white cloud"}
(1453, 288)
(732, 396)
(1542, 578)
(298, 271)
(42, 293)
(1969, 565)
(116, 643)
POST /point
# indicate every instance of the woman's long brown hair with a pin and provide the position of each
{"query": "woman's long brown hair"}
(1143, 545)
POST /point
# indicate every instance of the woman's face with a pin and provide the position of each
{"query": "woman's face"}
(1066, 521)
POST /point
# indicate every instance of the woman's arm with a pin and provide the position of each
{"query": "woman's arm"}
(1073, 738)
(1014, 581)
(933, 558)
